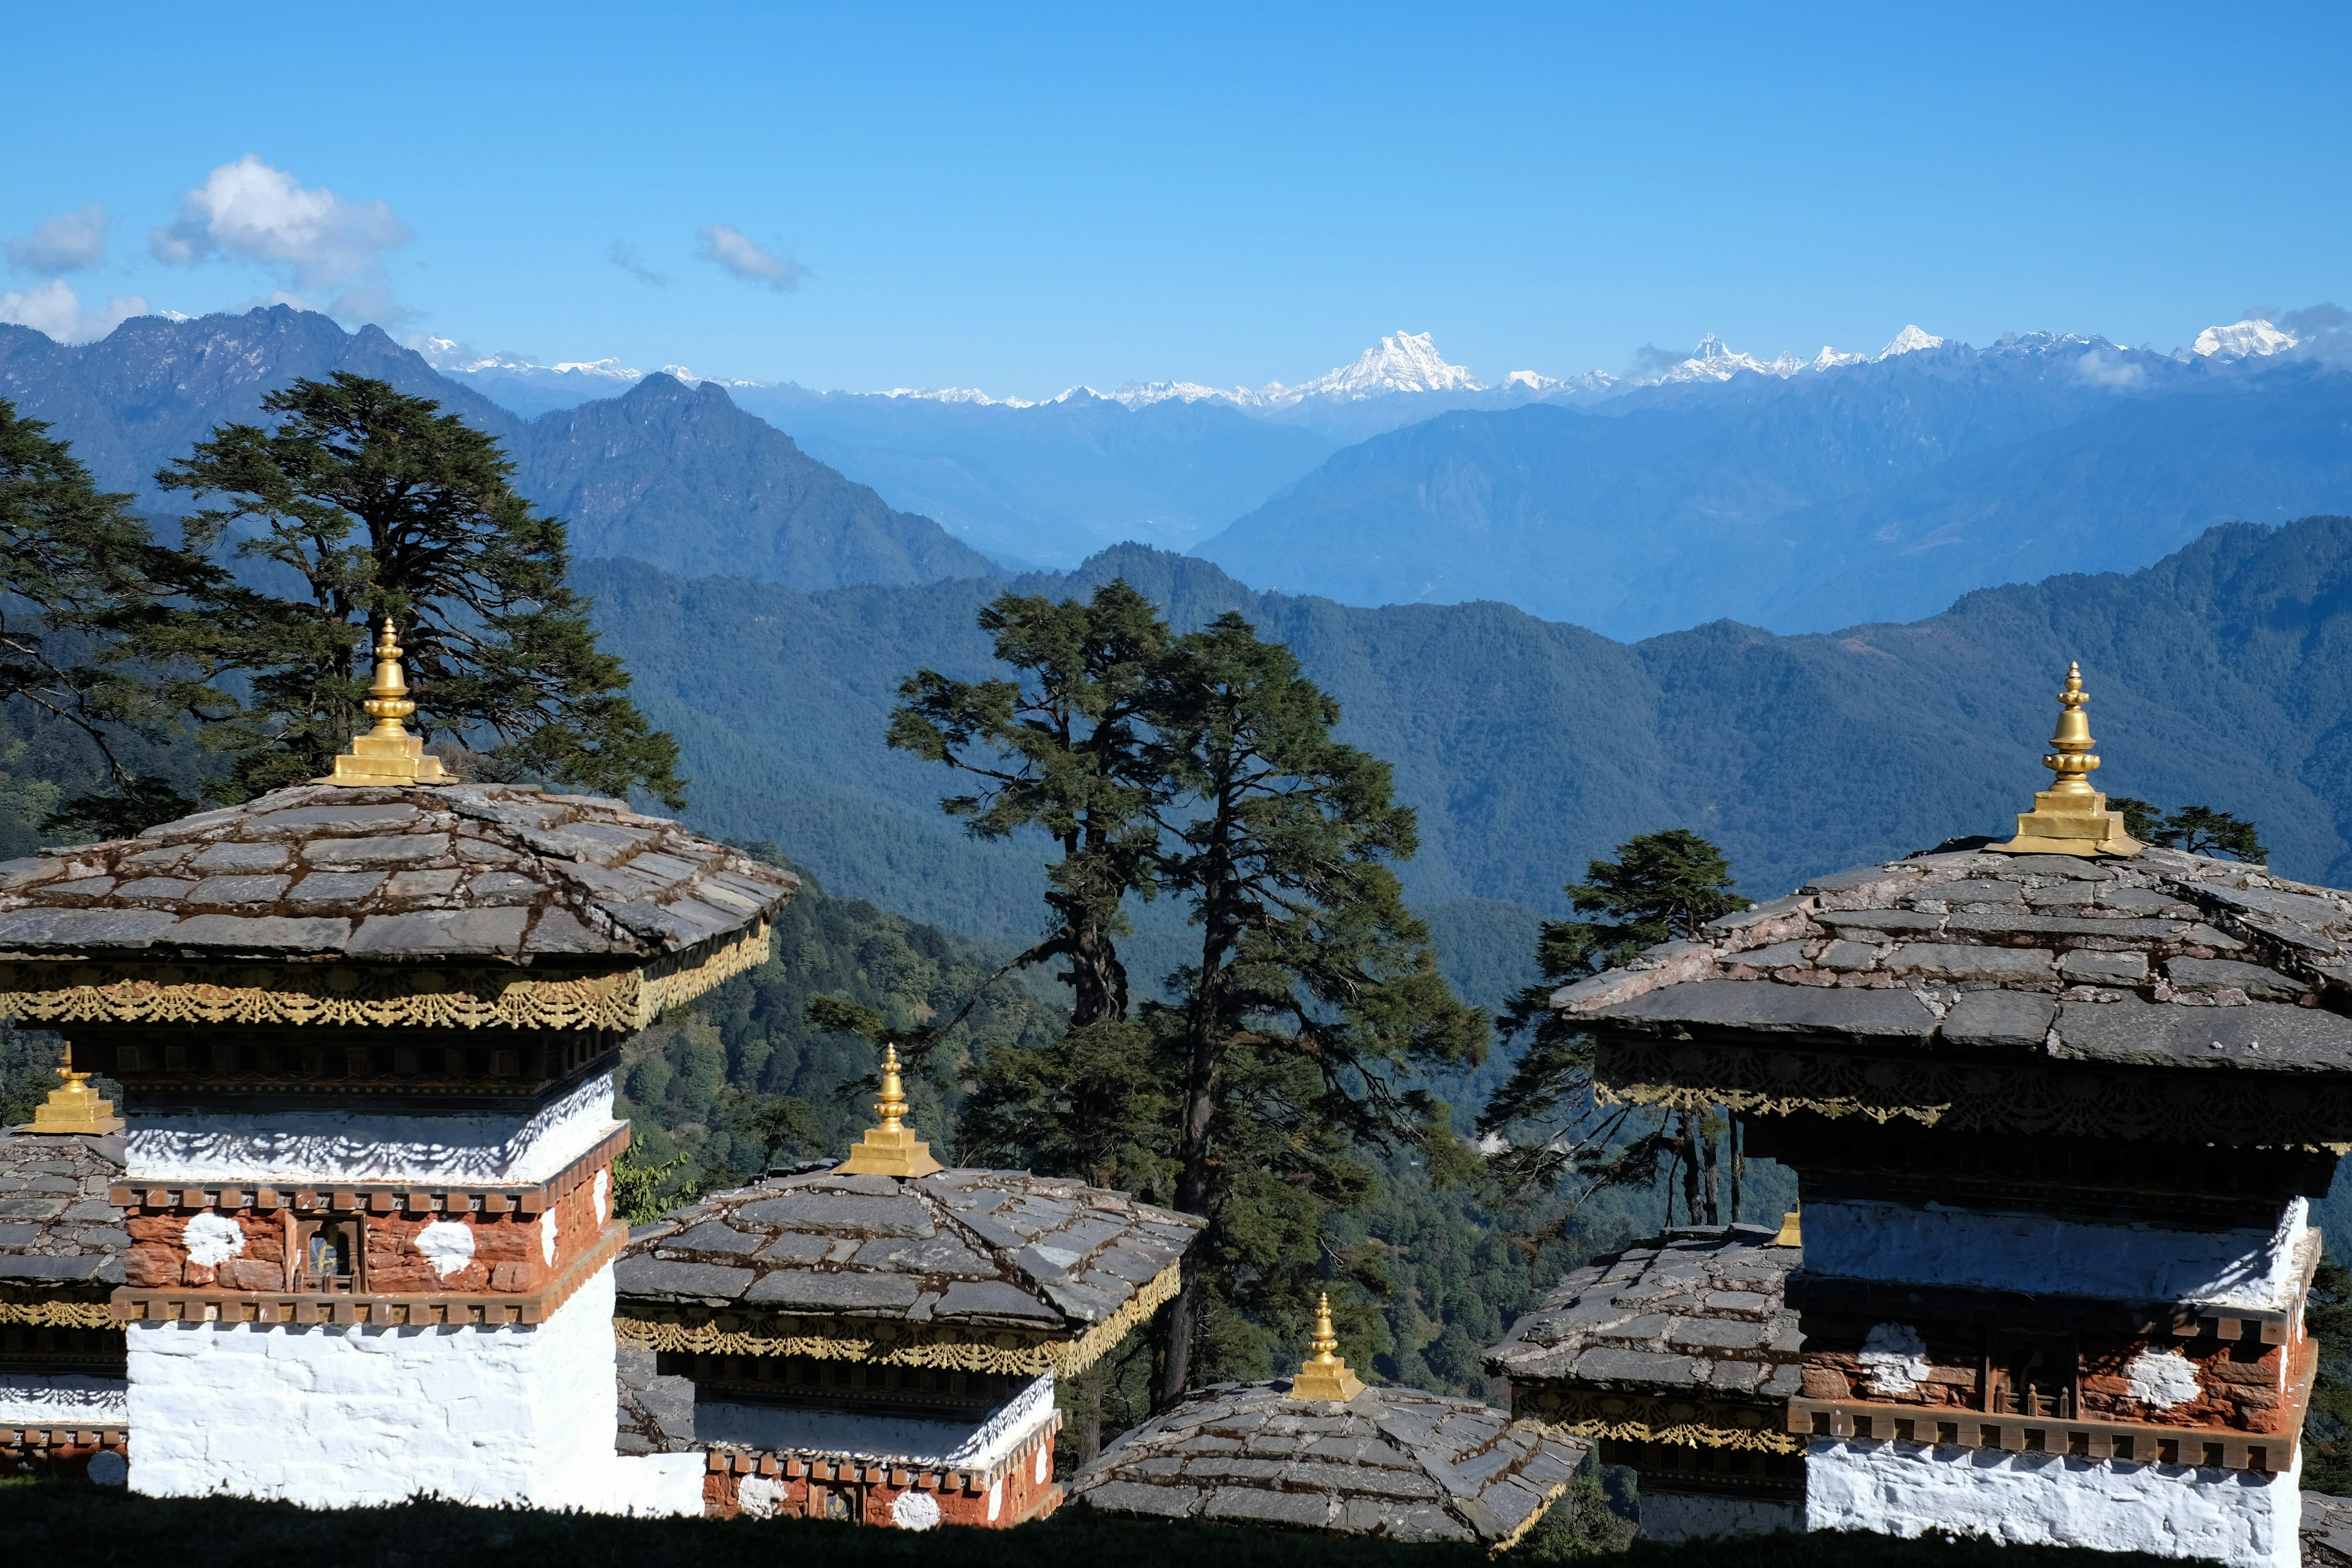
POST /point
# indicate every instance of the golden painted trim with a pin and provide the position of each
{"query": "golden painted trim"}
(1551, 1495)
(57, 1314)
(1688, 1435)
(2038, 1098)
(720, 1332)
(386, 995)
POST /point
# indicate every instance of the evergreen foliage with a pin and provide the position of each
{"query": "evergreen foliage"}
(1662, 887)
(2193, 829)
(368, 503)
(1063, 753)
(79, 574)
(2327, 1424)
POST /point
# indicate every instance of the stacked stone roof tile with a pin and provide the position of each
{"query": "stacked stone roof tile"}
(477, 873)
(2164, 960)
(1391, 1462)
(59, 1234)
(1698, 1311)
(985, 1249)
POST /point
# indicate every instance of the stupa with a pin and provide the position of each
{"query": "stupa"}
(1322, 1451)
(2057, 1106)
(64, 1407)
(880, 1341)
(1677, 1356)
(365, 1030)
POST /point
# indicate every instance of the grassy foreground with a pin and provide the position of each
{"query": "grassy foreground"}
(51, 1522)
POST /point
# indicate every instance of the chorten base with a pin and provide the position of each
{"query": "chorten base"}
(342, 1416)
(2244, 1518)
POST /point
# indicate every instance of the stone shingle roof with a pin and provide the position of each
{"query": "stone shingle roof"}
(1390, 1462)
(1694, 1312)
(959, 1249)
(59, 1235)
(480, 872)
(2166, 960)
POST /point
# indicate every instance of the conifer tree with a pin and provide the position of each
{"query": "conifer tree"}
(80, 576)
(1660, 887)
(1314, 985)
(361, 503)
(1062, 749)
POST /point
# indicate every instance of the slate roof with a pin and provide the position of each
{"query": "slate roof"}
(483, 872)
(1391, 1462)
(2166, 960)
(999, 1249)
(1698, 1311)
(60, 1238)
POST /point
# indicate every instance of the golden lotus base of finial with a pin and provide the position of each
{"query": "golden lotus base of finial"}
(376, 759)
(74, 1109)
(889, 1152)
(2070, 823)
(1316, 1381)
(1790, 1235)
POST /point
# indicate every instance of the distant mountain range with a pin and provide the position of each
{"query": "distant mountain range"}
(1797, 493)
(667, 474)
(1804, 501)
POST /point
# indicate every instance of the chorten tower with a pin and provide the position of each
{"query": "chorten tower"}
(2057, 1106)
(365, 1030)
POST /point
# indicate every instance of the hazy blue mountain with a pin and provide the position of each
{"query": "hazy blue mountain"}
(2221, 676)
(680, 477)
(1051, 483)
(151, 389)
(665, 474)
(1875, 490)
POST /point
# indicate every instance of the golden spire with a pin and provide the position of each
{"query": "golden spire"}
(2070, 818)
(891, 1149)
(1324, 1375)
(387, 754)
(74, 1108)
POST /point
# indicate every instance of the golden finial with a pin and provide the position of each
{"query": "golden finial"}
(75, 1107)
(387, 754)
(1324, 1375)
(892, 1149)
(1789, 1234)
(2070, 818)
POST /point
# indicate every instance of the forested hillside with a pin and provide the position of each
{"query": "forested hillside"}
(2220, 676)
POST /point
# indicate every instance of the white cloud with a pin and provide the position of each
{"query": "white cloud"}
(54, 308)
(68, 241)
(731, 250)
(316, 239)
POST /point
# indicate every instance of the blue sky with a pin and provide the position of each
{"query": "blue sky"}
(1023, 198)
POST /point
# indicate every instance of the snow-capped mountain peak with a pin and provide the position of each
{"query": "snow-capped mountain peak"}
(2249, 339)
(1910, 340)
(957, 395)
(1830, 359)
(1138, 394)
(1404, 362)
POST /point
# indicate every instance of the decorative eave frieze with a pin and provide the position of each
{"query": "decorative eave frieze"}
(1750, 1426)
(336, 993)
(526, 1199)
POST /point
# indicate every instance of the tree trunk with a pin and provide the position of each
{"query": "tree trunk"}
(1738, 1166)
(1085, 1407)
(1714, 1182)
(1694, 1167)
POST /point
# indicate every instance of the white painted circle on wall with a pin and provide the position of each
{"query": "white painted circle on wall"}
(546, 1236)
(1042, 1456)
(761, 1496)
(447, 1245)
(108, 1468)
(211, 1239)
(604, 1194)
(916, 1511)
(995, 1498)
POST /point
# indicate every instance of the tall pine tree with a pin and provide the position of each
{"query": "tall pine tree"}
(362, 503)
